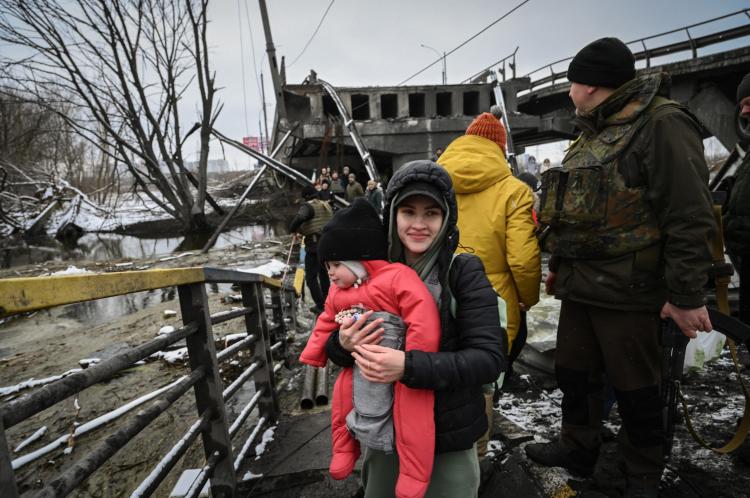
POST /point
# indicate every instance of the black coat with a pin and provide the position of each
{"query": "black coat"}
(472, 348)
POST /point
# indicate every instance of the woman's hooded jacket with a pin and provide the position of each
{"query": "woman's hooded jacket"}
(395, 289)
(472, 349)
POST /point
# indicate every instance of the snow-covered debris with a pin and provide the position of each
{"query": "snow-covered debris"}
(186, 480)
(167, 329)
(34, 437)
(270, 269)
(260, 448)
(72, 270)
(89, 426)
(170, 258)
(87, 362)
(32, 382)
(535, 416)
(234, 337)
(249, 476)
(171, 356)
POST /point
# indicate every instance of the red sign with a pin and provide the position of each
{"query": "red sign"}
(251, 142)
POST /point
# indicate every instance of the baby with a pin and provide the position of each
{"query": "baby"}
(353, 247)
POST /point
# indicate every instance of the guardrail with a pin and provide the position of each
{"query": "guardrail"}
(268, 343)
(691, 43)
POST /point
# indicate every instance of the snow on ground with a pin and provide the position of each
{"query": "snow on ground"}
(72, 270)
(260, 448)
(538, 416)
(250, 476)
(167, 329)
(178, 355)
(270, 269)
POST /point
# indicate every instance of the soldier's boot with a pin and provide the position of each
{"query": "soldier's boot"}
(638, 487)
(556, 454)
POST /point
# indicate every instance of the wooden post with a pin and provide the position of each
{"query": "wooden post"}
(7, 476)
(256, 323)
(208, 391)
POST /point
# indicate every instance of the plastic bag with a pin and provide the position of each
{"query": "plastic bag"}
(705, 347)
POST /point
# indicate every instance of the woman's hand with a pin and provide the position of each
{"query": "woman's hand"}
(380, 364)
(353, 333)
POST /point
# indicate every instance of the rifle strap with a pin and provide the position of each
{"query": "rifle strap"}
(722, 300)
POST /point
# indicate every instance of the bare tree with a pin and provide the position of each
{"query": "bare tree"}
(127, 65)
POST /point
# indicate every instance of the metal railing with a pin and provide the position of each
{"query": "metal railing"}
(268, 345)
(691, 43)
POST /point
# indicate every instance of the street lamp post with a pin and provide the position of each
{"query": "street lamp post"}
(445, 71)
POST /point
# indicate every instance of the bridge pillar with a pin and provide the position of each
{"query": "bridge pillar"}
(374, 105)
(316, 105)
(403, 105)
(430, 109)
(457, 103)
(717, 113)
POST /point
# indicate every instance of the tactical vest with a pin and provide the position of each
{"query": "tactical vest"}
(322, 214)
(593, 213)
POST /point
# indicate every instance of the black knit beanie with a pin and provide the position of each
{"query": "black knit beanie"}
(606, 62)
(354, 233)
(744, 89)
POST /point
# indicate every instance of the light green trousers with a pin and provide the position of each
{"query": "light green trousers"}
(454, 474)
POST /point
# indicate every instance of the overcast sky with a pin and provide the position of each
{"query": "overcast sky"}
(378, 42)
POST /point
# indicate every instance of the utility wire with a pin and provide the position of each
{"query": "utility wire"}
(242, 68)
(252, 46)
(314, 33)
(465, 42)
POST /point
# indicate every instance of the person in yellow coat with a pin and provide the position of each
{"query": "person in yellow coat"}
(494, 217)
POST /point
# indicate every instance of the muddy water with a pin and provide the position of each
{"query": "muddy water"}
(111, 246)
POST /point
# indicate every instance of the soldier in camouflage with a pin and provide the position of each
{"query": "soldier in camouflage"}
(312, 216)
(630, 222)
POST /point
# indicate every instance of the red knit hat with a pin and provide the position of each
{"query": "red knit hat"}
(488, 126)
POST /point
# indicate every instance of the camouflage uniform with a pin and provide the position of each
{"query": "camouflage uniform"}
(309, 221)
(631, 220)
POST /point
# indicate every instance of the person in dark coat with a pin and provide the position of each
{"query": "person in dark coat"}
(374, 195)
(324, 194)
(473, 346)
(354, 188)
(737, 217)
(309, 221)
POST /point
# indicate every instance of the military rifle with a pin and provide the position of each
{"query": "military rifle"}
(674, 343)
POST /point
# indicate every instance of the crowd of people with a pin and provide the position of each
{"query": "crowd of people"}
(430, 282)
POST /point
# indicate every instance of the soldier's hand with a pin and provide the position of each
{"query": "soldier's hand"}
(549, 283)
(690, 321)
